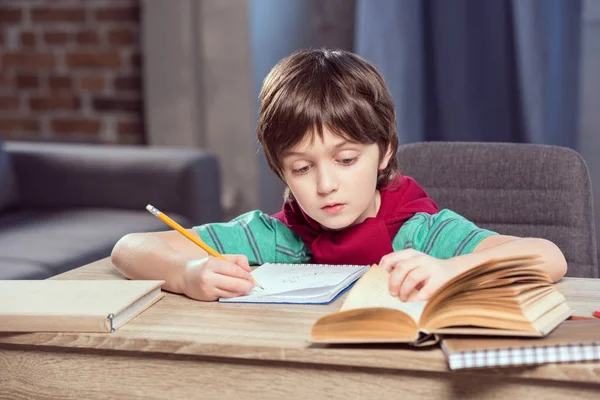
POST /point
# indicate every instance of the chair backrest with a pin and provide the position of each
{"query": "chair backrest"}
(524, 190)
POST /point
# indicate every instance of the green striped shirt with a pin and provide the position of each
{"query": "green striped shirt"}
(265, 239)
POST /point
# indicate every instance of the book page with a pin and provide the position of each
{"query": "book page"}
(372, 291)
(493, 273)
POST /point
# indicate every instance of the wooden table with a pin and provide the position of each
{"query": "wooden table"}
(181, 348)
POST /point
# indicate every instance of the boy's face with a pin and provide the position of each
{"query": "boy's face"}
(334, 180)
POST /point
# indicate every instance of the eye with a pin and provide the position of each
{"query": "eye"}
(300, 171)
(348, 161)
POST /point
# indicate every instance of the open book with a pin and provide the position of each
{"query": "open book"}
(508, 297)
(73, 305)
(300, 283)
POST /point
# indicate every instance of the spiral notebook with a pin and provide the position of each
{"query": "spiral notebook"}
(300, 283)
(572, 341)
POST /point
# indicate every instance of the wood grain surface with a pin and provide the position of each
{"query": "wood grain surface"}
(214, 345)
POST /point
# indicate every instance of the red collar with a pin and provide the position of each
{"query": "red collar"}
(367, 242)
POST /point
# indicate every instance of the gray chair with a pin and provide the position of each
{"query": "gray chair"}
(515, 189)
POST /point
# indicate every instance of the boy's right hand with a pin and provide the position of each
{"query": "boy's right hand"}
(210, 278)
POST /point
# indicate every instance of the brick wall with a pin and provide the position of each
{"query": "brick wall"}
(70, 71)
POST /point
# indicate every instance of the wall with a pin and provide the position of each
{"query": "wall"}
(198, 81)
(201, 79)
(70, 71)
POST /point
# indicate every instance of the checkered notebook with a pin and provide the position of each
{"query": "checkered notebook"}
(572, 341)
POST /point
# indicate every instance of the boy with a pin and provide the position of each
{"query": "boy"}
(327, 126)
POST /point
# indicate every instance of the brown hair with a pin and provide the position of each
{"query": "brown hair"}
(334, 88)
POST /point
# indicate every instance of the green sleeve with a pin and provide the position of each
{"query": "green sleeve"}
(442, 235)
(260, 237)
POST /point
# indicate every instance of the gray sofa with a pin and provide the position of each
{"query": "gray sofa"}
(65, 205)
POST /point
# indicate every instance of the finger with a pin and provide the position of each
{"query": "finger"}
(230, 269)
(232, 284)
(397, 277)
(427, 290)
(226, 293)
(239, 259)
(389, 260)
(416, 277)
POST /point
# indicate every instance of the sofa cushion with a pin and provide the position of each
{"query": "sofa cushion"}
(57, 241)
(23, 269)
(8, 188)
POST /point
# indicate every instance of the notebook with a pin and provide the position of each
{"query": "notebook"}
(73, 305)
(572, 341)
(300, 283)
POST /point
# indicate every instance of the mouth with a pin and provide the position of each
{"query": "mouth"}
(333, 208)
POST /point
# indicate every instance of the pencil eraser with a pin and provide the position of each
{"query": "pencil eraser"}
(153, 210)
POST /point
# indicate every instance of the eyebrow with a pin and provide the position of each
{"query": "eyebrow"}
(301, 153)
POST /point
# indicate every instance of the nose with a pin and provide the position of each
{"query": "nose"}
(327, 181)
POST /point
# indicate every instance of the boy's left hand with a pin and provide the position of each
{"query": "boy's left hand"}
(410, 269)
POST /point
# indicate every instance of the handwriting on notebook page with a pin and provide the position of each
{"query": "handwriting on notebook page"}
(300, 276)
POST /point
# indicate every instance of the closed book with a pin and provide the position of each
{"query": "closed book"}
(572, 341)
(73, 305)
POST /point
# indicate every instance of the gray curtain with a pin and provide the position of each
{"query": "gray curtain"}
(468, 70)
(493, 70)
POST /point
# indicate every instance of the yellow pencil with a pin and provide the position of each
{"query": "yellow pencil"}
(164, 218)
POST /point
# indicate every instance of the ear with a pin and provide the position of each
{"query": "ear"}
(386, 159)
